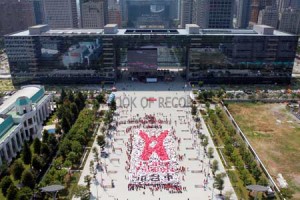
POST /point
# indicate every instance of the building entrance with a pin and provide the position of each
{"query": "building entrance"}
(150, 63)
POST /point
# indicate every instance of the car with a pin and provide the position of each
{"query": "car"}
(248, 91)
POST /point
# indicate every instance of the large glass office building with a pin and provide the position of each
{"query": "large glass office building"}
(41, 55)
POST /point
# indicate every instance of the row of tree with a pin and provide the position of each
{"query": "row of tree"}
(69, 108)
(71, 148)
(235, 150)
(209, 95)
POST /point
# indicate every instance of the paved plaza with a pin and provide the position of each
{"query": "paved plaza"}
(170, 105)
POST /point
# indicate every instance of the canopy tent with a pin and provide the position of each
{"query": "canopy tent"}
(54, 189)
(257, 188)
(111, 97)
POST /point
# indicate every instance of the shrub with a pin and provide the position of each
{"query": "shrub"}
(5, 183)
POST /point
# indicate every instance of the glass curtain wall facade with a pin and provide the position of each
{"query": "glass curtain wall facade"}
(241, 59)
(218, 58)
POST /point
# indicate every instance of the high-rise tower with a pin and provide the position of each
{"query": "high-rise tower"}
(208, 13)
(94, 13)
(61, 13)
(15, 15)
(243, 13)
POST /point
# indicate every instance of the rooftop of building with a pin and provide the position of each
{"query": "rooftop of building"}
(78, 32)
(26, 93)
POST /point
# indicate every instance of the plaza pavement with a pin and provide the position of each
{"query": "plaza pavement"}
(116, 170)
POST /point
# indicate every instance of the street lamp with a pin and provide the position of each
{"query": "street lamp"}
(212, 190)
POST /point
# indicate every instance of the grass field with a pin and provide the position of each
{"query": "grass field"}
(275, 134)
(6, 85)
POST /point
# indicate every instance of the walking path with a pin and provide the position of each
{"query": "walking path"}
(114, 167)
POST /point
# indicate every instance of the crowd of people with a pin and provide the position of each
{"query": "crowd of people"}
(152, 161)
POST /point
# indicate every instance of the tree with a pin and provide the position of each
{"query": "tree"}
(65, 124)
(91, 166)
(87, 180)
(82, 192)
(26, 154)
(96, 104)
(24, 193)
(12, 192)
(37, 163)
(63, 95)
(45, 135)
(5, 183)
(96, 154)
(263, 181)
(72, 157)
(113, 105)
(65, 147)
(215, 166)
(101, 140)
(52, 141)
(219, 182)
(70, 96)
(200, 83)
(256, 172)
(76, 147)
(80, 100)
(210, 152)
(28, 179)
(287, 193)
(4, 169)
(207, 105)
(67, 164)
(194, 110)
(204, 142)
(17, 169)
(45, 151)
(36, 145)
(108, 117)
(57, 163)
(74, 111)
(101, 97)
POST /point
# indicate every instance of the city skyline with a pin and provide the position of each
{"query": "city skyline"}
(175, 14)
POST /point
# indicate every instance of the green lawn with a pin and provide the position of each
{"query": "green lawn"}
(6, 85)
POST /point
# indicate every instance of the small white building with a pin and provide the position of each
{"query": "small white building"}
(21, 118)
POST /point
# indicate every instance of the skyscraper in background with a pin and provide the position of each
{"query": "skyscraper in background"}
(39, 13)
(243, 13)
(61, 13)
(93, 13)
(186, 12)
(149, 13)
(200, 13)
(255, 8)
(114, 15)
(290, 21)
(269, 16)
(15, 15)
(207, 13)
(283, 4)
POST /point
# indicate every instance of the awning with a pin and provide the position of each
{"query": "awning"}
(257, 188)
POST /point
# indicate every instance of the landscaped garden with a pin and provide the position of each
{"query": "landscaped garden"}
(26, 174)
(241, 165)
